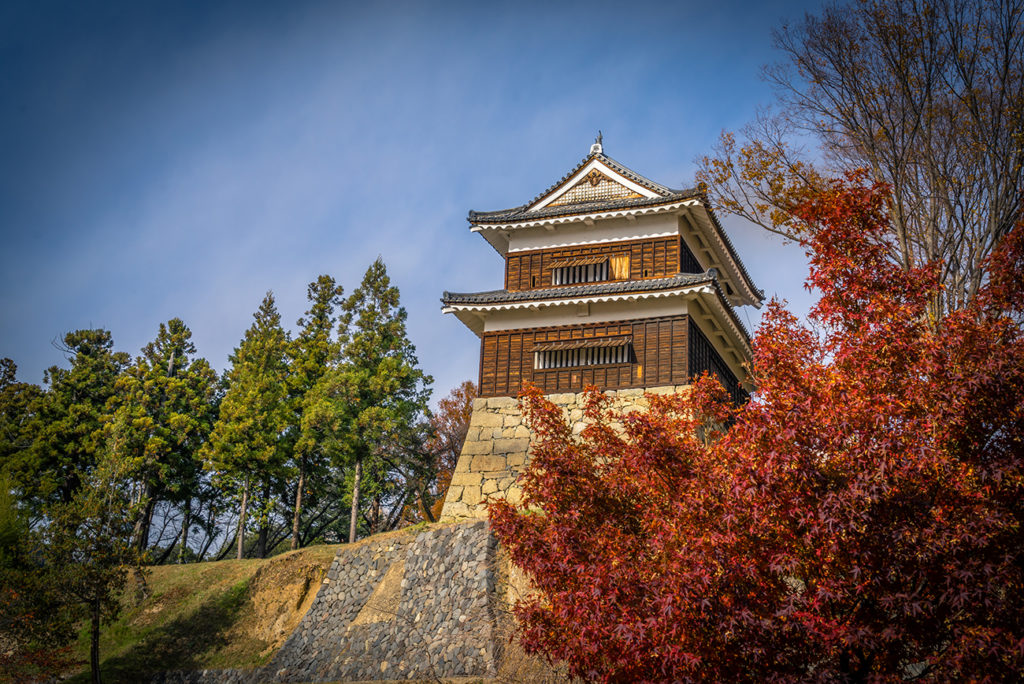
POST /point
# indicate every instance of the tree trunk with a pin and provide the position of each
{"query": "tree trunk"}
(167, 552)
(298, 502)
(261, 541)
(140, 532)
(241, 518)
(354, 519)
(375, 515)
(427, 504)
(94, 645)
(185, 521)
(261, 538)
(147, 522)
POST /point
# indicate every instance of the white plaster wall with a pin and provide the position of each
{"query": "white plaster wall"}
(606, 230)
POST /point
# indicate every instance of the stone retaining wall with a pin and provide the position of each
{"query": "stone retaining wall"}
(423, 606)
(406, 607)
(497, 447)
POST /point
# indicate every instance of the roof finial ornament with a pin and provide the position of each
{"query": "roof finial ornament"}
(597, 147)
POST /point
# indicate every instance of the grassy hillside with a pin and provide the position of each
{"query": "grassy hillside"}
(209, 615)
(236, 614)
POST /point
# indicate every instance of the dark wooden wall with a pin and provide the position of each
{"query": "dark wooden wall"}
(703, 357)
(660, 357)
(648, 259)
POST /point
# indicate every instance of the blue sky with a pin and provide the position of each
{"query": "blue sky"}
(162, 159)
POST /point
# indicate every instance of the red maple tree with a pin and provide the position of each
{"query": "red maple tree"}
(860, 519)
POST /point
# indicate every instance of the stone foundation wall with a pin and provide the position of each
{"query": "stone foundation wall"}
(425, 606)
(413, 606)
(498, 443)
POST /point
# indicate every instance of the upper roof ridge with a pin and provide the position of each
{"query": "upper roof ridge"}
(600, 156)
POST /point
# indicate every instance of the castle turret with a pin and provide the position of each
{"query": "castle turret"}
(611, 280)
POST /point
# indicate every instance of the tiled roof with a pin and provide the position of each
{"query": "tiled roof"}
(667, 196)
(728, 245)
(521, 213)
(595, 289)
(569, 291)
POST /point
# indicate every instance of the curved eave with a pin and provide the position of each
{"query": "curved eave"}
(729, 260)
(473, 315)
(735, 334)
(569, 216)
(497, 235)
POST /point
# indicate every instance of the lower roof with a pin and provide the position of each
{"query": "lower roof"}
(573, 291)
(469, 306)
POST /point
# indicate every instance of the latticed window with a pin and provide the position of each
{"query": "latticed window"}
(589, 269)
(582, 270)
(593, 352)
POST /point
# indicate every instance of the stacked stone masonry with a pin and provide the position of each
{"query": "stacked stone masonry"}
(498, 443)
(437, 621)
(424, 606)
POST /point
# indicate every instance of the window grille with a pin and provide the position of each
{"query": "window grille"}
(569, 354)
(571, 275)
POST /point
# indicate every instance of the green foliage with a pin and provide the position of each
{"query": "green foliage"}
(286, 433)
(313, 352)
(246, 437)
(65, 423)
(162, 414)
(18, 403)
(87, 545)
(365, 412)
(35, 627)
(246, 446)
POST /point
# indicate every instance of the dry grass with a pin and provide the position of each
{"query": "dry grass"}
(236, 614)
(210, 615)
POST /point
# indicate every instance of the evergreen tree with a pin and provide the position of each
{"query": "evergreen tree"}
(87, 545)
(163, 413)
(247, 448)
(312, 353)
(19, 402)
(65, 423)
(366, 411)
(36, 628)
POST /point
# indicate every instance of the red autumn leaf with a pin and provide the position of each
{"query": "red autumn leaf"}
(859, 519)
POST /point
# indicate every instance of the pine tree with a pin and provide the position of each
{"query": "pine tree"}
(36, 627)
(366, 411)
(87, 545)
(66, 422)
(312, 353)
(19, 402)
(246, 448)
(163, 413)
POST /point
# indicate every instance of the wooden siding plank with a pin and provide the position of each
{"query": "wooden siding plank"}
(515, 366)
(487, 363)
(680, 351)
(660, 346)
(665, 352)
(501, 369)
(532, 269)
